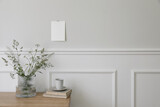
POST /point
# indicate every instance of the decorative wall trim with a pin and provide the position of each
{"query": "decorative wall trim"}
(98, 51)
(133, 82)
(108, 71)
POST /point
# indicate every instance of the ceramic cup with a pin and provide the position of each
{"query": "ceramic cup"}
(59, 83)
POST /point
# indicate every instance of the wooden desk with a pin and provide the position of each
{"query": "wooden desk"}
(9, 99)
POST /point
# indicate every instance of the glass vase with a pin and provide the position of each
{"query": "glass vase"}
(26, 86)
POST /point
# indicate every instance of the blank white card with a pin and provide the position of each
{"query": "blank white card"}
(58, 30)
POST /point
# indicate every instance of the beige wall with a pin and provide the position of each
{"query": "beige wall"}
(90, 23)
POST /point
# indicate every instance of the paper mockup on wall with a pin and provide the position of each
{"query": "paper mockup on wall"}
(58, 31)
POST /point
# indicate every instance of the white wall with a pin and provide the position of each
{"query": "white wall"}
(90, 23)
(111, 56)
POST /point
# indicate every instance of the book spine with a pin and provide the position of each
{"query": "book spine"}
(55, 96)
(55, 93)
(58, 93)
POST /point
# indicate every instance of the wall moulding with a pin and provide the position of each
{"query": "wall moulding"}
(107, 71)
(133, 82)
(97, 51)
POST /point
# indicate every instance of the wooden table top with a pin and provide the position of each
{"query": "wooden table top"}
(9, 99)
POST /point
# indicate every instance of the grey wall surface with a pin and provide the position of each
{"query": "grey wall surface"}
(90, 23)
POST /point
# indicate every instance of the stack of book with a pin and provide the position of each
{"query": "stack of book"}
(58, 94)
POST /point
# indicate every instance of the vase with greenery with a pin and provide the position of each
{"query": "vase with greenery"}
(26, 66)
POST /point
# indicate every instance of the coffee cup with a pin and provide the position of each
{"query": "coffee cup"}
(59, 83)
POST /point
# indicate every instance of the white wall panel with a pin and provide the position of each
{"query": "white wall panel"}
(77, 62)
(145, 88)
(91, 88)
(7, 84)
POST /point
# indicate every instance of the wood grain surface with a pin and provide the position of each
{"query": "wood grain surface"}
(9, 99)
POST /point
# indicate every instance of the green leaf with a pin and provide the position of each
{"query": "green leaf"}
(4, 60)
(12, 75)
(40, 72)
(37, 45)
(42, 50)
(44, 55)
